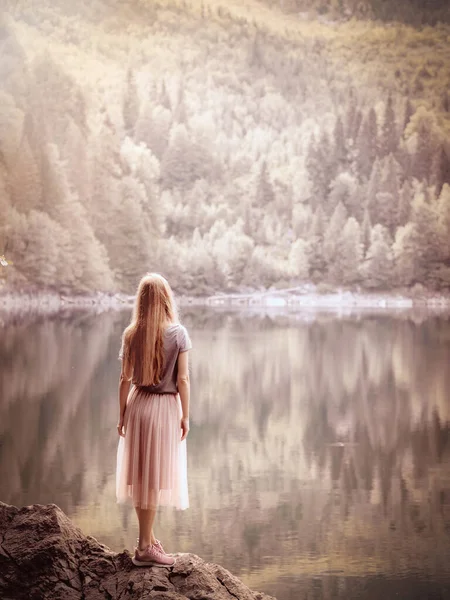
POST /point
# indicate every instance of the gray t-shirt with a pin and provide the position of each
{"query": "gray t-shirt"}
(176, 340)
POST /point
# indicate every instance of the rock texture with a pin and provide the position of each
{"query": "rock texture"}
(43, 556)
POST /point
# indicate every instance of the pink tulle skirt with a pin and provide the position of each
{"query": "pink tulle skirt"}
(151, 459)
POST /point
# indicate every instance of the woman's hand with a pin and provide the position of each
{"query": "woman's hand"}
(184, 428)
(120, 427)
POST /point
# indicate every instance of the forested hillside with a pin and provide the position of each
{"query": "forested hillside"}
(227, 145)
(414, 12)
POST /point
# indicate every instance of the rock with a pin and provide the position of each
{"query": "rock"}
(43, 556)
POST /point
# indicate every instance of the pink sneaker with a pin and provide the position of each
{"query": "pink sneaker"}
(151, 557)
(158, 545)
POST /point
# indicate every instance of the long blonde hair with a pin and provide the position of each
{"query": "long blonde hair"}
(143, 350)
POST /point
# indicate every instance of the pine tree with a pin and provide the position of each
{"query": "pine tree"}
(391, 176)
(152, 209)
(130, 103)
(406, 251)
(424, 155)
(143, 130)
(425, 218)
(233, 253)
(180, 113)
(340, 149)
(299, 260)
(356, 202)
(302, 219)
(423, 138)
(284, 202)
(386, 210)
(264, 191)
(404, 207)
(321, 167)
(199, 267)
(356, 126)
(350, 114)
(367, 145)
(409, 111)
(443, 217)
(373, 189)
(177, 164)
(388, 200)
(332, 234)
(348, 254)
(316, 241)
(366, 231)
(378, 266)
(440, 169)
(389, 136)
(353, 117)
(250, 224)
(163, 97)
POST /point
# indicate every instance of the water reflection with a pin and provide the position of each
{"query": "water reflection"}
(319, 455)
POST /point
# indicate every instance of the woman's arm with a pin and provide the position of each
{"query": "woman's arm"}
(184, 389)
(124, 388)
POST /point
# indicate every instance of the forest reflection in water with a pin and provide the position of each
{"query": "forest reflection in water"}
(319, 454)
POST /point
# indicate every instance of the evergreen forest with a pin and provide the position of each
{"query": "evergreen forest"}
(228, 145)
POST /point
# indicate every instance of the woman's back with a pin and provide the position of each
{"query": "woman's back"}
(176, 340)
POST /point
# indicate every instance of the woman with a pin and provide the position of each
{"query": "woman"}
(154, 414)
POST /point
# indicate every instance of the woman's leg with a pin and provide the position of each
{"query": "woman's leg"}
(146, 518)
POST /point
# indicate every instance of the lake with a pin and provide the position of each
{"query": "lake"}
(318, 457)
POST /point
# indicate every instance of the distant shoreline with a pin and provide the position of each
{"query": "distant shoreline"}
(40, 302)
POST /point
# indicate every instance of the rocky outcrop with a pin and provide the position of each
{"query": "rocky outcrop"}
(43, 556)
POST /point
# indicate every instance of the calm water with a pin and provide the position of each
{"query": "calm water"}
(319, 454)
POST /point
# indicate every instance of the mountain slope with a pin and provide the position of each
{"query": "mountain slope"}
(224, 145)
